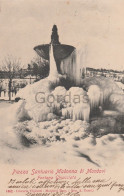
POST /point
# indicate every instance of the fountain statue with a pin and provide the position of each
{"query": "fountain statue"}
(60, 51)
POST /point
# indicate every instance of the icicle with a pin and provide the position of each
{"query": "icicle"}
(68, 66)
(81, 112)
(80, 107)
(95, 96)
(67, 113)
(73, 66)
(53, 67)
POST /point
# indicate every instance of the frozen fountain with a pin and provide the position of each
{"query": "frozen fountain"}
(60, 51)
(63, 63)
(52, 114)
(68, 60)
(85, 94)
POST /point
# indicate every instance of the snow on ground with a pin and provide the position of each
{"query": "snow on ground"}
(71, 141)
(58, 141)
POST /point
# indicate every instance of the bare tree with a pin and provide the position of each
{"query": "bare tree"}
(11, 67)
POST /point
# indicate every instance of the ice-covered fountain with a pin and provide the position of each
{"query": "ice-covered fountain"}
(56, 112)
(63, 81)
(60, 51)
(66, 57)
(85, 95)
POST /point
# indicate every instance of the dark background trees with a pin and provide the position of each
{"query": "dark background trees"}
(39, 67)
(10, 68)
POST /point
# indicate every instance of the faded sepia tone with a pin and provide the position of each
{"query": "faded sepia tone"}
(62, 94)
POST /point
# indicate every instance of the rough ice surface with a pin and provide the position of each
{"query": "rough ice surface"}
(79, 107)
(117, 101)
(95, 96)
(104, 88)
(80, 102)
(72, 103)
(53, 120)
(36, 99)
(62, 140)
(52, 64)
(72, 66)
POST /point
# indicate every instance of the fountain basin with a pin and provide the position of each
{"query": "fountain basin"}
(60, 51)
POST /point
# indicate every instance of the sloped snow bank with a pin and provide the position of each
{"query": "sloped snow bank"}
(62, 141)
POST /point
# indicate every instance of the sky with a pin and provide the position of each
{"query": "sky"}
(94, 26)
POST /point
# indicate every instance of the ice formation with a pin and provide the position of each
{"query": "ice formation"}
(64, 140)
(45, 97)
(95, 96)
(50, 114)
(117, 102)
(49, 98)
(53, 73)
(8, 119)
(78, 107)
(73, 66)
(105, 87)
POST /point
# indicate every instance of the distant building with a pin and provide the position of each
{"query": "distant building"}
(115, 75)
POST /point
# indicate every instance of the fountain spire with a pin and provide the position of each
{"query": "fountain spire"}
(54, 36)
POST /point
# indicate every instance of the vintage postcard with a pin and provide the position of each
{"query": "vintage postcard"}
(61, 97)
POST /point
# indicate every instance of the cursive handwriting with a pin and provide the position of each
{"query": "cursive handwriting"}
(64, 187)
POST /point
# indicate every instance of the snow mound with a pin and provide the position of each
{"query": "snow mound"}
(117, 102)
(71, 140)
(44, 104)
(106, 84)
(36, 99)
(51, 131)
